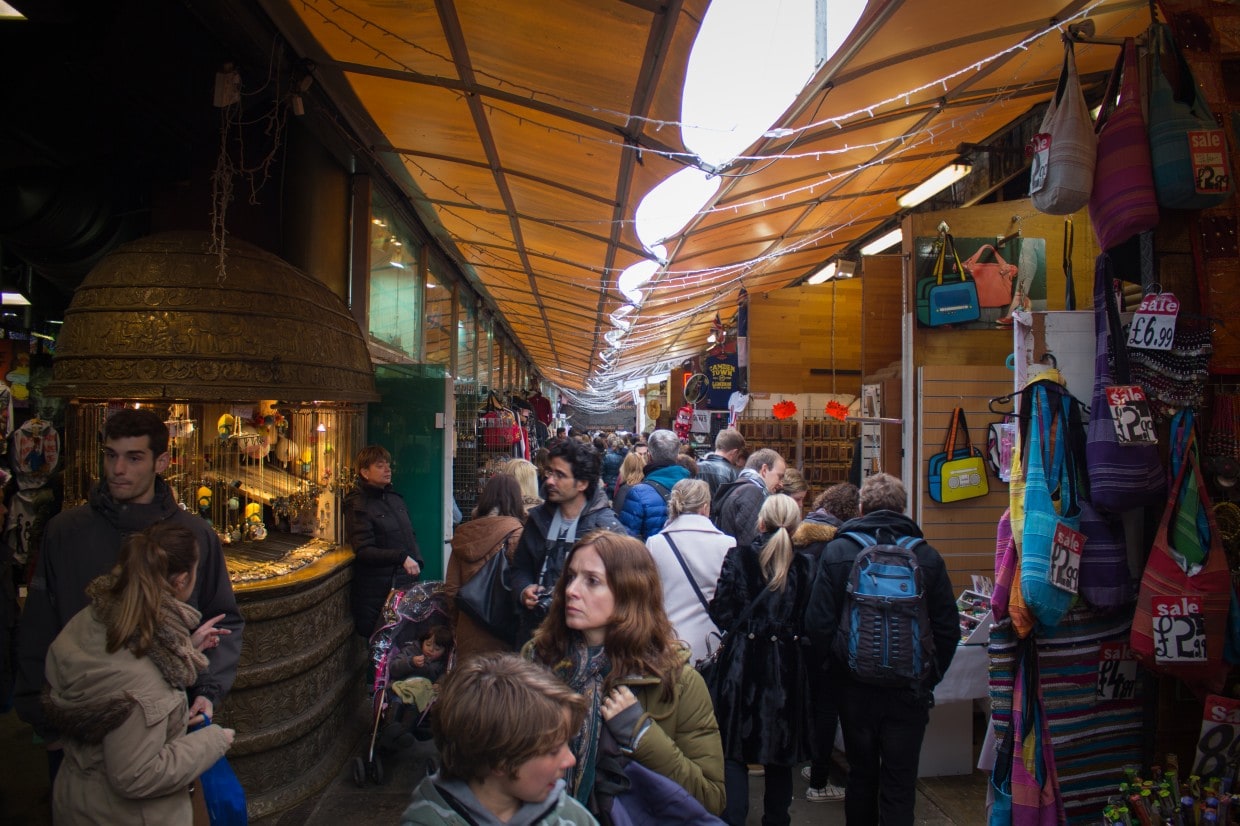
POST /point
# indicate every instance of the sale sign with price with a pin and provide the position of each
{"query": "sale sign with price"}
(1130, 413)
(1218, 745)
(1153, 326)
(1179, 629)
(1117, 671)
(1066, 547)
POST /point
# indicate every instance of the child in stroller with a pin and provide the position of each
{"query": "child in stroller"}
(411, 650)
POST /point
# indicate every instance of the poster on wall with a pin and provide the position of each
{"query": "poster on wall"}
(1009, 278)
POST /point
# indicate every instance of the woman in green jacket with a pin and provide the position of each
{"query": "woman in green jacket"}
(609, 638)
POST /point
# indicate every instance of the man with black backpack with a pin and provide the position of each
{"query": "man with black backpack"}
(882, 609)
(645, 508)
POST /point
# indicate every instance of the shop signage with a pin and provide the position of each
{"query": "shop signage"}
(1066, 547)
(1218, 745)
(1179, 629)
(1206, 148)
(1130, 413)
(1117, 671)
(1153, 326)
(721, 374)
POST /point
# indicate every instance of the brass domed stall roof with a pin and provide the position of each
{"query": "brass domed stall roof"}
(156, 320)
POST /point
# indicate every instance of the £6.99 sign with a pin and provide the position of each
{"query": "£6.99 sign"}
(1153, 326)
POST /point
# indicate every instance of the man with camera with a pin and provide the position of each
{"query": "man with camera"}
(576, 504)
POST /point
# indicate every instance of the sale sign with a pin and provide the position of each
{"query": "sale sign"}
(1130, 414)
(1218, 744)
(1207, 150)
(1153, 326)
(1066, 558)
(1179, 629)
(1117, 671)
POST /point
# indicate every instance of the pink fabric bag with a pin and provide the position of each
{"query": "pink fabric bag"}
(1035, 801)
(1122, 203)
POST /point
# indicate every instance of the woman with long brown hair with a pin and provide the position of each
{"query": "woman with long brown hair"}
(608, 637)
(117, 675)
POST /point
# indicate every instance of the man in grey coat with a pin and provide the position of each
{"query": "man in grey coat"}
(735, 510)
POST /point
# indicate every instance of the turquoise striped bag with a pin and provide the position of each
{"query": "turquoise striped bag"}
(1188, 149)
(1048, 579)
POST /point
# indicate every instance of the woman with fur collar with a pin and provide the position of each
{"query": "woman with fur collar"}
(117, 676)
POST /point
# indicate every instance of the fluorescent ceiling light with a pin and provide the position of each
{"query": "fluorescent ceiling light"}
(824, 274)
(631, 280)
(397, 264)
(936, 183)
(14, 300)
(883, 242)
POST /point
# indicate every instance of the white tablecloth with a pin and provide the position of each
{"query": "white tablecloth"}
(968, 677)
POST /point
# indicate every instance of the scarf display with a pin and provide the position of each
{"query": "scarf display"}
(584, 670)
(172, 651)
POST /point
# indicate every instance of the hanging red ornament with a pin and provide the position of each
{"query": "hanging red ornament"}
(836, 410)
(784, 410)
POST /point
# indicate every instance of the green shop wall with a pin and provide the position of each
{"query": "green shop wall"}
(409, 421)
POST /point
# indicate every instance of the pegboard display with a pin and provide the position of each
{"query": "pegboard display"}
(821, 447)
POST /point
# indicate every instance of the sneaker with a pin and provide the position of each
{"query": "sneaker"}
(829, 793)
(806, 773)
(756, 770)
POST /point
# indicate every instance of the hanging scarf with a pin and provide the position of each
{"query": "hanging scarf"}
(584, 670)
(172, 651)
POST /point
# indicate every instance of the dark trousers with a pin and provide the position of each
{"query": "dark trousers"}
(776, 800)
(883, 730)
(825, 717)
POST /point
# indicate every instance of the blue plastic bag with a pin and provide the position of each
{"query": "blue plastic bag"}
(222, 792)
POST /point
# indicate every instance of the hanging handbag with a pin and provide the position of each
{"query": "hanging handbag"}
(1121, 476)
(958, 472)
(714, 666)
(1036, 796)
(1065, 148)
(1187, 148)
(993, 278)
(1180, 626)
(1006, 562)
(1106, 581)
(487, 597)
(941, 300)
(1051, 554)
(1122, 202)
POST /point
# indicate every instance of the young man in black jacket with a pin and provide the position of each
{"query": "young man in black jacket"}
(722, 466)
(883, 725)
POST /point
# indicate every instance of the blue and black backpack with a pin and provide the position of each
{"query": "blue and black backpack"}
(884, 633)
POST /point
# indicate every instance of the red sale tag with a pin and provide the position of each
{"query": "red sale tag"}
(1130, 414)
(1179, 629)
(1066, 547)
(1210, 174)
(1153, 325)
(1040, 148)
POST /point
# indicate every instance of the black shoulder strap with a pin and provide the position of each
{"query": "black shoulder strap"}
(660, 489)
(688, 575)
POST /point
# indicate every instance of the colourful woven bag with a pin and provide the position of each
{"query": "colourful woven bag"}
(1065, 148)
(1180, 626)
(1122, 202)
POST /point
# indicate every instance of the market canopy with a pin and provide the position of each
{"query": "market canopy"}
(526, 133)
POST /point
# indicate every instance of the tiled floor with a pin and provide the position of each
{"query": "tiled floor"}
(945, 801)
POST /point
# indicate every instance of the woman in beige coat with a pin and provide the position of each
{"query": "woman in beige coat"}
(495, 527)
(117, 675)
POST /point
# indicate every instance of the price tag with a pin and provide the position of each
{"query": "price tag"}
(1130, 414)
(1040, 148)
(1066, 547)
(1210, 174)
(1218, 745)
(1117, 671)
(1179, 629)
(1153, 326)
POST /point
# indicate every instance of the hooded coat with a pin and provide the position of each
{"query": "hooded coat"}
(644, 511)
(474, 543)
(377, 525)
(763, 699)
(81, 544)
(814, 532)
(439, 801)
(128, 758)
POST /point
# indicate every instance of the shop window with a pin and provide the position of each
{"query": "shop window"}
(395, 312)
(440, 338)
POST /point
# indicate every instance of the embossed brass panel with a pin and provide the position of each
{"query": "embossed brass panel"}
(158, 319)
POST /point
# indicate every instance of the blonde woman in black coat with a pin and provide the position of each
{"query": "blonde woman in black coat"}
(762, 705)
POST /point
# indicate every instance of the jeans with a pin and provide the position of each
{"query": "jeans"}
(775, 801)
(883, 730)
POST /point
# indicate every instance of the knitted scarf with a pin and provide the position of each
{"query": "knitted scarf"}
(584, 669)
(172, 650)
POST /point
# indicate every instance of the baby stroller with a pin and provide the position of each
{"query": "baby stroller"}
(403, 695)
